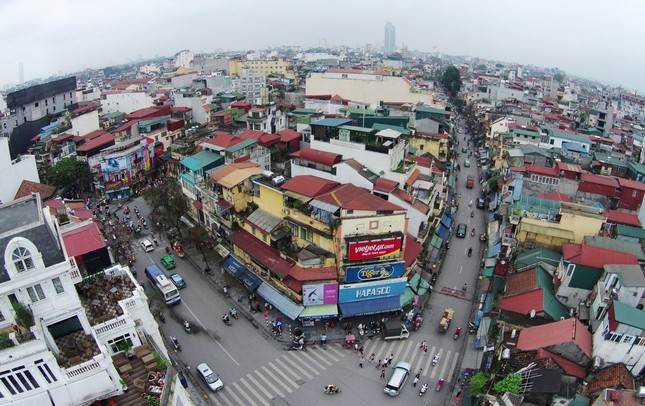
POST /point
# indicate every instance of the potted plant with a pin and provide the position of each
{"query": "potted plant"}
(124, 385)
(124, 345)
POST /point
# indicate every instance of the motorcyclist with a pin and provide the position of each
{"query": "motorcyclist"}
(331, 388)
(233, 312)
(472, 213)
(472, 232)
(323, 339)
(458, 331)
(470, 251)
(226, 318)
(465, 286)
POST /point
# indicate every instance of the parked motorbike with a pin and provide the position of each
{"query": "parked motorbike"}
(424, 388)
(187, 326)
(440, 384)
(175, 343)
(233, 312)
(435, 359)
(361, 329)
(323, 340)
(472, 328)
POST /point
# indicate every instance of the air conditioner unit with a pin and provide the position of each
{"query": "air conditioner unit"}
(285, 211)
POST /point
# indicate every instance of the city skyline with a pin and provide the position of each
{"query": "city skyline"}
(51, 39)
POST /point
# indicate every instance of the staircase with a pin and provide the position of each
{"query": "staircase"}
(133, 396)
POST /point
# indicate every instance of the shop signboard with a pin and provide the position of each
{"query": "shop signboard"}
(320, 293)
(374, 272)
(371, 290)
(359, 251)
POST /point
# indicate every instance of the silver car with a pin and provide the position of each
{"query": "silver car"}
(212, 380)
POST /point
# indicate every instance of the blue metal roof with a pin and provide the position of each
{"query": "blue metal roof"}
(332, 122)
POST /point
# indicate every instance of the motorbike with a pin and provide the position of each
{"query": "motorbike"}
(361, 329)
(457, 332)
(472, 328)
(233, 312)
(472, 214)
(440, 384)
(175, 343)
(472, 232)
(187, 326)
(331, 390)
(154, 239)
(323, 340)
(424, 388)
(226, 320)
(435, 359)
(470, 252)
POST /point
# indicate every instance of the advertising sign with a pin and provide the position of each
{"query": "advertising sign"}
(371, 290)
(374, 272)
(358, 251)
(320, 293)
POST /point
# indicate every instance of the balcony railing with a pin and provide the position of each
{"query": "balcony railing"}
(78, 371)
(110, 325)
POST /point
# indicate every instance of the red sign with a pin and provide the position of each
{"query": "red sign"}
(374, 249)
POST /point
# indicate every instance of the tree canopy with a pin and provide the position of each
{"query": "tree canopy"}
(451, 80)
(478, 383)
(71, 175)
(511, 383)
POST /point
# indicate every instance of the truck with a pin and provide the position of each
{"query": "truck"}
(395, 331)
(445, 320)
(470, 182)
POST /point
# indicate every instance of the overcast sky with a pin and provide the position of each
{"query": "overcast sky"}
(602, 40)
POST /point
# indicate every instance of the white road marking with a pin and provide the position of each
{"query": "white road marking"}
(287, 380)
(319, 356)
(269, 384)
(445, 365)
(211, 336)
(237, 387)
(260, 387)
(304, 363)
(305, 373)
(287, 369)
(454, 365)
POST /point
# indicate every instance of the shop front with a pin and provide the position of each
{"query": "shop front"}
(320, 302)
(375, 297)
(280, 302)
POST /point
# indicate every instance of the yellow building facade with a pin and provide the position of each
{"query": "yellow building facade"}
(266, 66)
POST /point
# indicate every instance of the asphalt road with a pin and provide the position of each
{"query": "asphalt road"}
(259, 371)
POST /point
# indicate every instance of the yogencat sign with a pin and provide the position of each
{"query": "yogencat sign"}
(371, 290)
(374, 272)
(318, 294)
(374, 249)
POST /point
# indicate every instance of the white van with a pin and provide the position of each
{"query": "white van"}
(398, 378)
(147, 245)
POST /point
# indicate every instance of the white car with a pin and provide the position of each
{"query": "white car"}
(212, 380)
(147, 245)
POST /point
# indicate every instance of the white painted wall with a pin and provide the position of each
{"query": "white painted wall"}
(125, 102)
(13, 173)
(85, 123)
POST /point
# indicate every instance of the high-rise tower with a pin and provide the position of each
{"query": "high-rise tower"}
(389, 44)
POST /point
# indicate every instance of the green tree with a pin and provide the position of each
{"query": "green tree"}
(451, 80)
(478, 384)
(511, 383)
(71, 175)
(198, 237)
(24, 315)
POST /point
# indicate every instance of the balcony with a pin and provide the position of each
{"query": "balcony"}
(101, 293)
(76, 348)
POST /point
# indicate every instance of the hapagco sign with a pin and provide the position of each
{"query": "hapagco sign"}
(358, 251)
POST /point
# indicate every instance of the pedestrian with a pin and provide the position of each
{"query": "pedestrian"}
(423, 344)
(418, 375)
(425, 349)
(372, 358)
(458, 393)
(361, 349)
(355, 347)
(360, 363)
(414, 383)
(378, 364)
(382, 373)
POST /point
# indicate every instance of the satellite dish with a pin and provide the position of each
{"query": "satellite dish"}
(532, 313)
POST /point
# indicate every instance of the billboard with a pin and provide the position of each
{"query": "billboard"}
(374, 272)
(320, 293)
(358, 251)
(371, 290)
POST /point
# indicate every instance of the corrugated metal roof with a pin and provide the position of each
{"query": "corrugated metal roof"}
(264, 220)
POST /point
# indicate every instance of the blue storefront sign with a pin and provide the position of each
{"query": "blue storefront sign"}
(233, 267)
(374, 272)
(371, 290)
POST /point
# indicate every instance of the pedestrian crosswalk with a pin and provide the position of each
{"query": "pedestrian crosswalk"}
(287, 373)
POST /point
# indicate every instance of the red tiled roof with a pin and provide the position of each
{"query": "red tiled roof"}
(424, 162)
(569, 167)
(352, 197)
(525, 302)
(595, 257)
(83, 240)
(308, 185)
(240, 104)
(556, 196)
(261, 253)
(224, 204)
(543, 170)
(28, 187)
(104, 139)
(413, 177)
(569, 367)
(92, 135)
(314, 274)
(600, 180)
(556, 333)
(521, 282)
(84, 109)
(125, 126)
(385, 185)
(631, 184)
(180, 109)
(432, 135)
(320, 157)
(62, 137)
(224, 140)
(613, 376)
(262, 137)
(289, 135)
(620, 217)
(412, 250)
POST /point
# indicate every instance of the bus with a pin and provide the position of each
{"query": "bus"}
(159, 279)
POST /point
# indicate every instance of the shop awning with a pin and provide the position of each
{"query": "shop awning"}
(319, 312)
(284, 305)
(233, 267)
(374, 306)
(250, 280)
(407, 297)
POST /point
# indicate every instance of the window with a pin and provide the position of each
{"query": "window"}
(45, 371)
(36, 293)
(113, 343)
(294, 229)
(58, 285)
(21, 258)
(570, 269)
(627, 338)
(1, 317)
(613, 337)
(36, 104)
